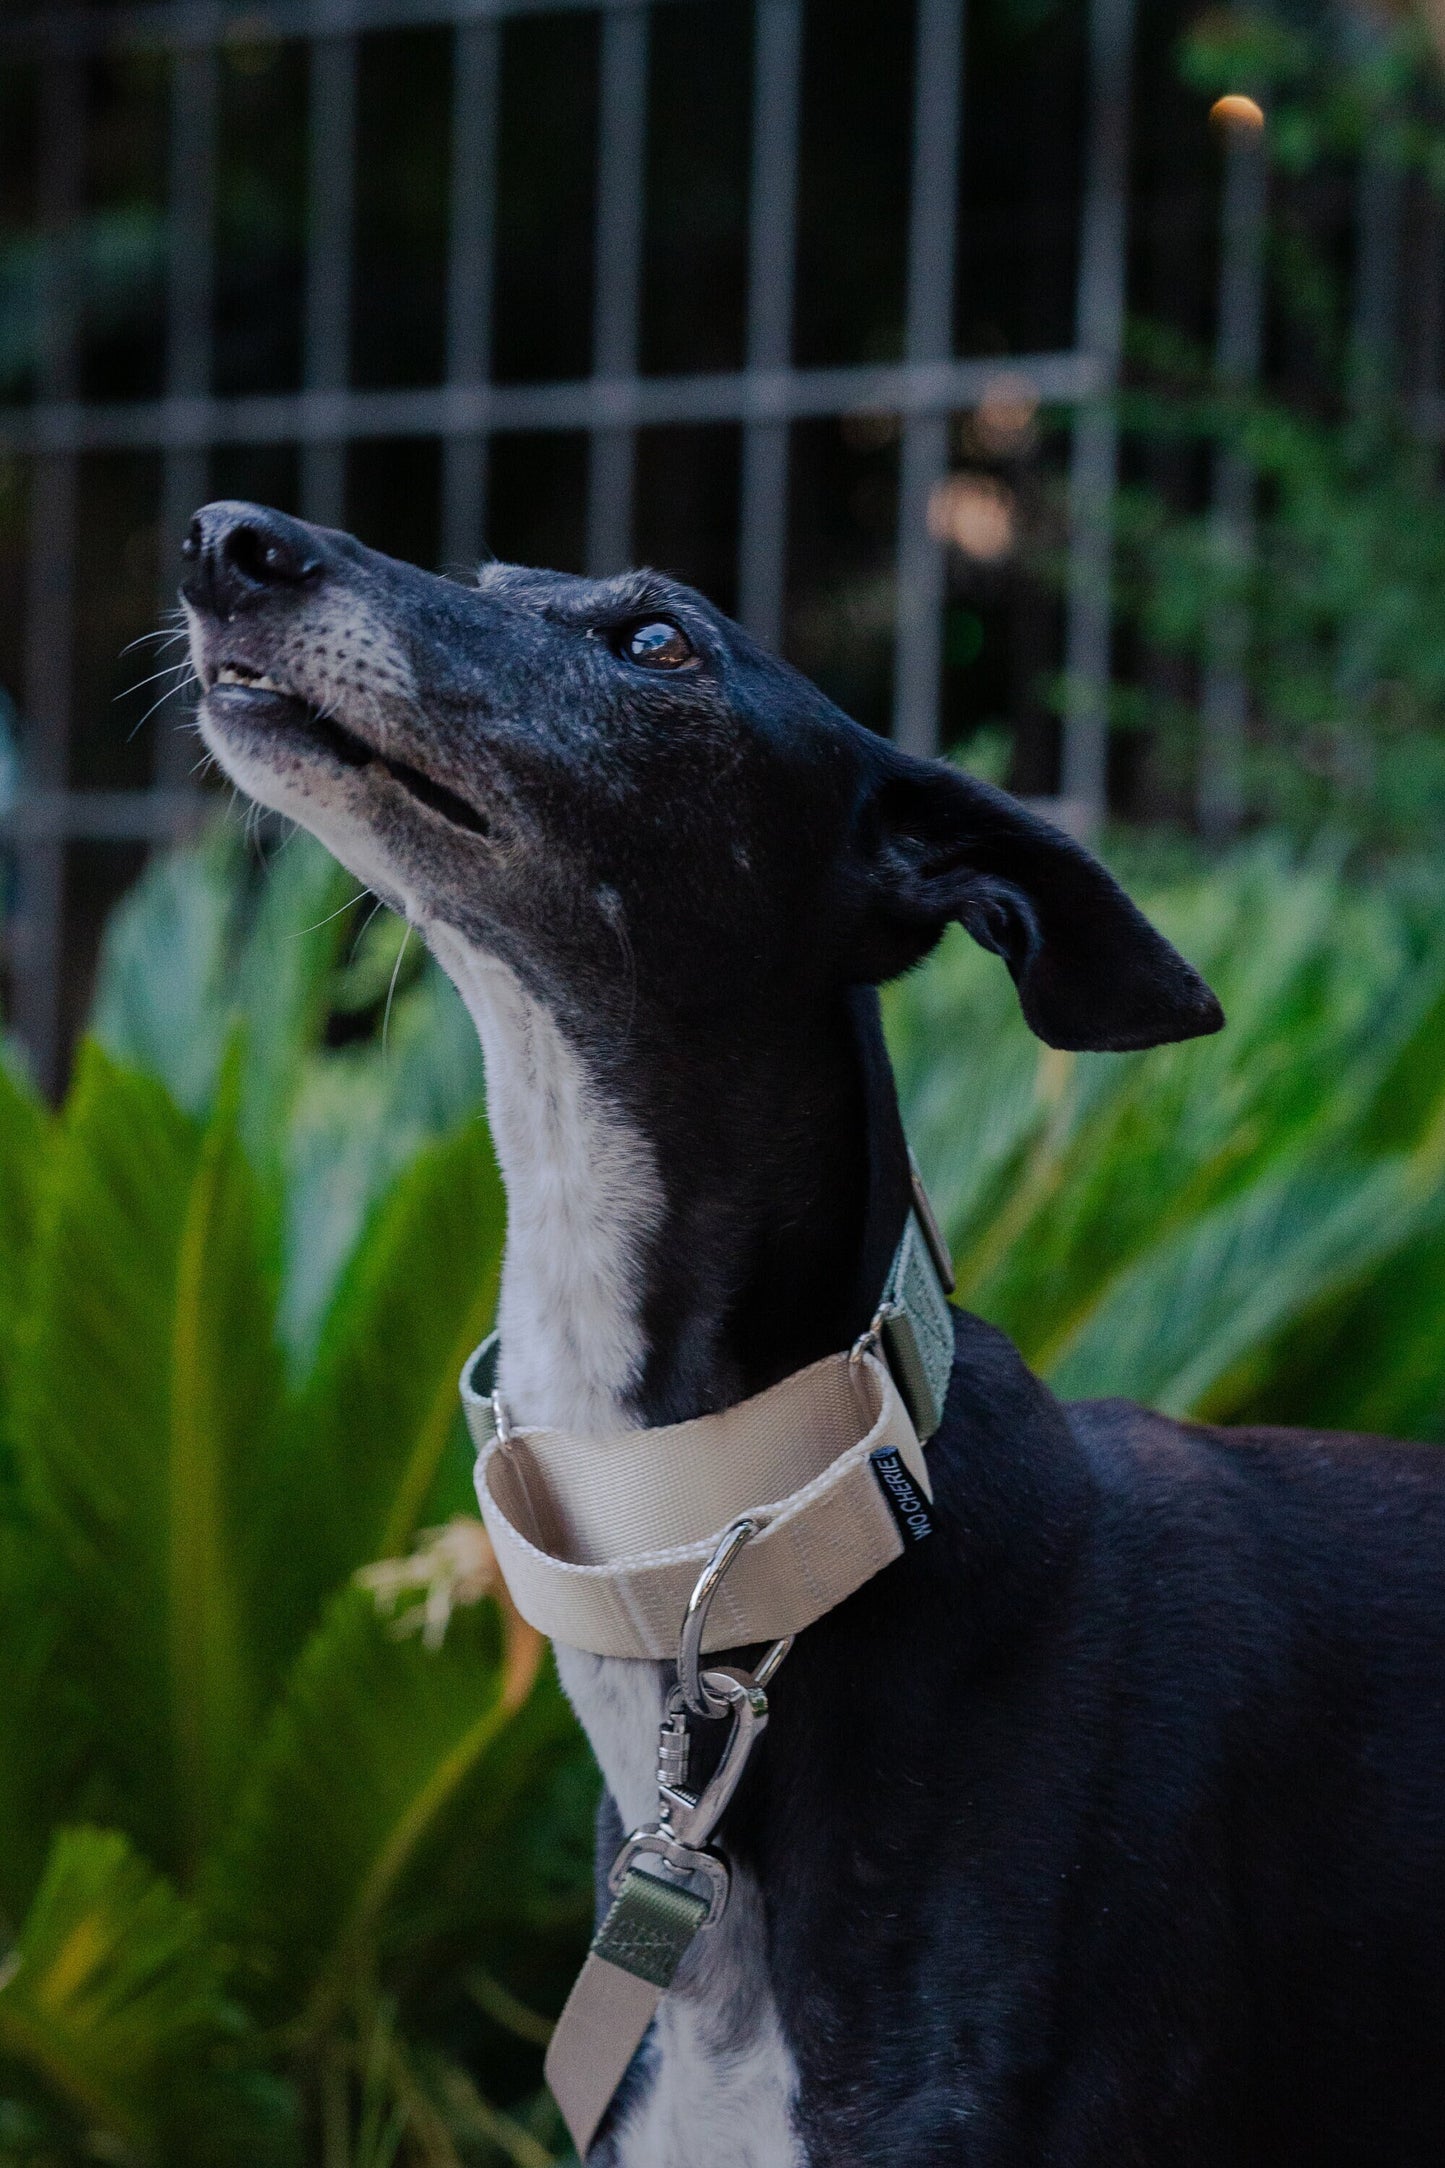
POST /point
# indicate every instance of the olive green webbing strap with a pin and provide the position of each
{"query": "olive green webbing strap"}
(633, 1958)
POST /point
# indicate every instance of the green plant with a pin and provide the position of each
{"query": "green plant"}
(1243, 1227)
(1344, 659)
(357, 1052)
(1329, 607)
(270, 1867)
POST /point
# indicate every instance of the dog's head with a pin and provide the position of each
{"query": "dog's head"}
(609, 787)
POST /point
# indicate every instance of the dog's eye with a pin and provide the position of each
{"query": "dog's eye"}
(657, 645)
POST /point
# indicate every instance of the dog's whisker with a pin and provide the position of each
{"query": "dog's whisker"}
(349, 905)
(391, 989)
(169, 694)
(161, 637)
(170, 669)
(360, 933)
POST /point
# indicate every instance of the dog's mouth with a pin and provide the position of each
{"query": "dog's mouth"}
(239, 693)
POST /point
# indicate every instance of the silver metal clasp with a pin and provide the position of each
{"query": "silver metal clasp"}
(680, 1863)
(694, 1624)
(679, 1839)
(692, 1817)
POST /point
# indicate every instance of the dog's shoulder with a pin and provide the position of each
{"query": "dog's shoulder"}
(1342, 1532)
(1314, 1558)
(1387, 1495)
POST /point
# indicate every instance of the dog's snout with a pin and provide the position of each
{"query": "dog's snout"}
(238, 555)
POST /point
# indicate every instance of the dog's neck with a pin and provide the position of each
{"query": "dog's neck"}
(683, 1229)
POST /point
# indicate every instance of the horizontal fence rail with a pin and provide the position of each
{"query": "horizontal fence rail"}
(189, 27)
(588, 403)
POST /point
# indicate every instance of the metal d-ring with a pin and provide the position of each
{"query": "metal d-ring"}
(696, 1694)
(694, 1620)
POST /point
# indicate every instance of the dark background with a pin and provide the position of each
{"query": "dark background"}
(1018, 225)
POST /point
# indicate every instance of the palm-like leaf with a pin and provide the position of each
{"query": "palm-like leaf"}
(505, 1865)
(1183, 1327)
(201, 948)
(1170, 1224)
(164, 999)
(112, 1990)
(24, 1131)
(192, 952)
(359, 1118)
(145, 1429)
(281, 975)
(374, 1740)
(380, 1410)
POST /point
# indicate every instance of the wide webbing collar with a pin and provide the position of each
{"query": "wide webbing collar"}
(601, 1540)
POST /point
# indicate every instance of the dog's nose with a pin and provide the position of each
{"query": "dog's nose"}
(242, 554)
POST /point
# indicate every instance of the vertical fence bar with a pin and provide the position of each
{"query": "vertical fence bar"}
(933, 217)
(1224, 704)
(1379, 214)
(1093, 474)
(331, 221)
(621, 187)
(470, 278)
(38, 934)
(1379, 207)
(772, 245)
(1429, 311)
(191, 213)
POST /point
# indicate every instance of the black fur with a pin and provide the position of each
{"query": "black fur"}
(1107, 1826)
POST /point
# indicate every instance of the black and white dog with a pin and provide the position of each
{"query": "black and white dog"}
(1108, 1825)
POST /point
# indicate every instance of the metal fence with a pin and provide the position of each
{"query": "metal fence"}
(466, 412)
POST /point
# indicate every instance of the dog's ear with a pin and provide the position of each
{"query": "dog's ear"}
(936, 845)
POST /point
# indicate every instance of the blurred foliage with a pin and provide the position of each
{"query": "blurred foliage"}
(1335, 81)
(1345, 651)
(1330, 606)
(114, 261)
(1248, 1227)
(355, 1050)
(281, 1882)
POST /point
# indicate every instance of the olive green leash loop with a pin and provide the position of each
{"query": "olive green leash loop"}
(650, 1927)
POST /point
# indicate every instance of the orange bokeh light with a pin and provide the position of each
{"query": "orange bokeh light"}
(1236, 111)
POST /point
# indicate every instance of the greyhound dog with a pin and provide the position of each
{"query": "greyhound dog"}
(1105, 1826)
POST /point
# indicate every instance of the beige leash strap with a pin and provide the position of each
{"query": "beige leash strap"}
(634, 1955)
(601, 1540)
(655, 1917)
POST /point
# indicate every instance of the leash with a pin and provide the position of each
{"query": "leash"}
(608, 1543)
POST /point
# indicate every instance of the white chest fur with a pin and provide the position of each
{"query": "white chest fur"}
(583, 1198)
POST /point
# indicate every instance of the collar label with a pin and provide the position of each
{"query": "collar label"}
(905, 1501)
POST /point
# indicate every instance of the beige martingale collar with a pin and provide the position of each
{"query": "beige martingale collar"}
(736, 1529)
(601, 1540)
